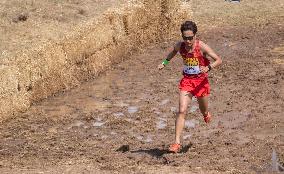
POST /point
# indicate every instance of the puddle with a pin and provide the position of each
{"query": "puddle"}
(163, 118)
(191, 123)
(129, 120)
(161, 124)
(113, 133)
(272, 167)
(185, 137)
(76, 124)
(234, 119)
(275, 166)
(174, 109)
(98, 124)
(148, 139)
(89, 104)
(193, 108)
(234, 1)
(132, 109)
(103, 137)
(164, 102)
(139, 137)
(118, 114)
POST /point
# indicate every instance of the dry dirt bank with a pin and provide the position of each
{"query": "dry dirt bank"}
(50, 52)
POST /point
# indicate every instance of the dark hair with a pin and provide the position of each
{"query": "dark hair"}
(188, 25)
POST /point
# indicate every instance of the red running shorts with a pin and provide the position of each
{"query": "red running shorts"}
(198, 87)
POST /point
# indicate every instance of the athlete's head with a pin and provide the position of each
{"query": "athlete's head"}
(188, 30)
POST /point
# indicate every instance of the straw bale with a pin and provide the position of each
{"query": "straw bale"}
(119, 35)
(174, 13)
(8, 80)
(91, 48)
(89, 40)
(143, 24)
(41, 66)
(10, 92)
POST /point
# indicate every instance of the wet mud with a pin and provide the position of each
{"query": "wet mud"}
(123, 120)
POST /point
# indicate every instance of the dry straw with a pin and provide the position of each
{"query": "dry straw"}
(89, 49)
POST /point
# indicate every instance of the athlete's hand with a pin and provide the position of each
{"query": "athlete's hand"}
(204, 69)
(161, 66)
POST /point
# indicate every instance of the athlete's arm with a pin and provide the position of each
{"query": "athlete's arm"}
(209, 51)
(170, 55)
(173, 52)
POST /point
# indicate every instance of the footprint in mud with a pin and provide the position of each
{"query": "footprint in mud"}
(157, 153)
(185, 148)
(167, 159)
(123, 148)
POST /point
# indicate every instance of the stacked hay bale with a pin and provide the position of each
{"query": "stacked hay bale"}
(90, 49)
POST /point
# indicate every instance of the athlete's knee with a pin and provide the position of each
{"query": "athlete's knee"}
(181, 113)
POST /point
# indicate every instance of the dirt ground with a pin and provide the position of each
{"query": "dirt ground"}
(123, 120)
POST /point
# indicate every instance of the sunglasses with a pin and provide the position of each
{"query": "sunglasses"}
(188, 37)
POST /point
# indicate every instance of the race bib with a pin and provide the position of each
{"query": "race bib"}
(191, 69)
(191, 66)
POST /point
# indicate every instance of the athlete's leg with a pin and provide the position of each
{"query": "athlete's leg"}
(184, 100)
(203, 105)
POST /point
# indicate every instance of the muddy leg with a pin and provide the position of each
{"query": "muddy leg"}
(203, 105)
(184, 100)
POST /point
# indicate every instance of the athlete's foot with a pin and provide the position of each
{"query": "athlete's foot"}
(207, 118)
(174, 148)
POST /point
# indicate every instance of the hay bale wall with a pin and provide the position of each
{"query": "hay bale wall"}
(90, 49)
